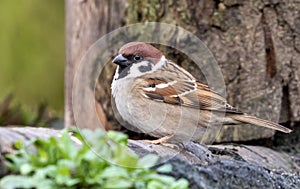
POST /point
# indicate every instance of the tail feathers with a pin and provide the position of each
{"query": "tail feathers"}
(260, 122)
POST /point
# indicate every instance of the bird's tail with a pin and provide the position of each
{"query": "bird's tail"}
(259, 122)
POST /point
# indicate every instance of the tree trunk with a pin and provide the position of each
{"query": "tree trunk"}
(86, 22)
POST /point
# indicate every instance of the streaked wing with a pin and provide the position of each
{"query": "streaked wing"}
(185, 91)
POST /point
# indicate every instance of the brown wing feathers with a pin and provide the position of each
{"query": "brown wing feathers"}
(187, 93)
(168, 92)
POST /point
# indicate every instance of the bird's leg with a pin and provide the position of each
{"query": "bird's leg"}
(160, 140)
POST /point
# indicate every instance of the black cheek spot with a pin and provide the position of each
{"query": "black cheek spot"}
(145, 68)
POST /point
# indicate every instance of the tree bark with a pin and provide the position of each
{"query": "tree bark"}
(86, 22)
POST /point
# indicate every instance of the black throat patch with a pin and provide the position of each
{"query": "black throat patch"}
(123, 71)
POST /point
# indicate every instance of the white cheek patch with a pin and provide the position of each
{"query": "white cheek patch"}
(116, 76)
(160, 63)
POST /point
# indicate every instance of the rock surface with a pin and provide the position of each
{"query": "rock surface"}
(214, 166)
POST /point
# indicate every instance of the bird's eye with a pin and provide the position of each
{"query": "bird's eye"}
(137, 57)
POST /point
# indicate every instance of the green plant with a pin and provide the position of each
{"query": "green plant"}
(12, 113)
(101, 161)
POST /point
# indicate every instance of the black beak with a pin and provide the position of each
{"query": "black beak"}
(120, 60)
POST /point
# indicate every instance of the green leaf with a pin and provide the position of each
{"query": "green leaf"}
(18, 144)
(63, 175)
(16, 181)
(42, 157)
(122, 157)
(48, 171)
(67, 146)
(45, 184)
(154, 184)
(89, 155)
(180, 184)
(117, 183)
(162, 178)
(148, 161)
(118, 137)
(115, 172)
(93, 137)
(26, 168)
(166, 168)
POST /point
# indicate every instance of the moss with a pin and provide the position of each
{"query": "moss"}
(143, 11)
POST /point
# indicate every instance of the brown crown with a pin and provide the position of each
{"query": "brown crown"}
(147, 51)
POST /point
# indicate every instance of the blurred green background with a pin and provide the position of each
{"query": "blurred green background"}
(32, 52)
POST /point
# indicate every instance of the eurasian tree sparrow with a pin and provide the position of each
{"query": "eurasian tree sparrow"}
(162, 99)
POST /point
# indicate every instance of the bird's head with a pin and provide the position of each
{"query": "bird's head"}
(136, 59)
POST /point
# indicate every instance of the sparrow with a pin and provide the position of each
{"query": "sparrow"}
(160, 98)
